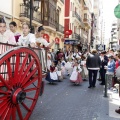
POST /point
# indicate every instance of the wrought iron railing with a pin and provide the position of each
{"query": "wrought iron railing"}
(75, 14)
(25, 12)
(76, 36)
(59, 28)
(87, 21)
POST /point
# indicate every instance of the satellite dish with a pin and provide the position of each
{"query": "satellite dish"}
(117, 11)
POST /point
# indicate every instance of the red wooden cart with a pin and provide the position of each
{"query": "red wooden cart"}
(20, 80)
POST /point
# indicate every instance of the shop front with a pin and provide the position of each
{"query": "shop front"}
(71, 44)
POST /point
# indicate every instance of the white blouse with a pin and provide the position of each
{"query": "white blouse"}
(42, 41)
(26, 40)
(7, 37)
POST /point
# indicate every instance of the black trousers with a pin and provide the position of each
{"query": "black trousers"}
(92, 77)
(102, 74)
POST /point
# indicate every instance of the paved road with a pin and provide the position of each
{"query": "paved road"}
(67, 102)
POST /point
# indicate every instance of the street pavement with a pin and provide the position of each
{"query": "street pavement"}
(65, 101)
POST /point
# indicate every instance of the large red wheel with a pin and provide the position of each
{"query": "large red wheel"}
(20, 83)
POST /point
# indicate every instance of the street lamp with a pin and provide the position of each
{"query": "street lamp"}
(34, 6)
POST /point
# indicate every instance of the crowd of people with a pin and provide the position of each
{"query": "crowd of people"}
(77, 66)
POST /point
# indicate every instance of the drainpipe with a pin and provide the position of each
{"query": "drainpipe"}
(12, 10)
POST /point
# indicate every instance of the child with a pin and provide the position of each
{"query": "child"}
(84, 72)
(13, 28)
(68, 67)
(59, 73)
(63, 67)
(6, 36)
(76, 76)
(27, 38)
(52, 75)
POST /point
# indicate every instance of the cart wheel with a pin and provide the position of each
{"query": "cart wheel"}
(20, 83)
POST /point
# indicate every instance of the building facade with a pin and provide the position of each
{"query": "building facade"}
(78, 20)
(50, 14)
(114, 35)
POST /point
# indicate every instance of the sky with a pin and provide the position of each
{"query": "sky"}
(108, 12)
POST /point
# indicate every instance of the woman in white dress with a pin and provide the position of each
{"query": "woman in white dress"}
(6, 36)
(27, 38)
(76, 76)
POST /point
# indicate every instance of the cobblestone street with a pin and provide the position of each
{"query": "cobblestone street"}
(67, 102)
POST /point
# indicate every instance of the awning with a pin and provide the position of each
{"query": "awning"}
(46, 37)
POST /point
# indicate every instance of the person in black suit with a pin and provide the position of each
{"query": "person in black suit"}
(93, 64)
(104, 62)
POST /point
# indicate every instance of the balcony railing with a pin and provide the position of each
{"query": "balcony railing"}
(85, 20)
(62, 1)
(25, 12)
(76, 36)
(75, 14)
(59, 28)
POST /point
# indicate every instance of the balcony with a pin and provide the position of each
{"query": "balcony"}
(59, 28)
(75, 14)
(76, 36)
(87, 22)
(62, 1)
(25, 13)
(86, 8)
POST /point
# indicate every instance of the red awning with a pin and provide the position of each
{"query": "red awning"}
(46, 37)
(57, 40)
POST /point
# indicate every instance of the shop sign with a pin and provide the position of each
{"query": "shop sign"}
(57, 40)
(68, 32)
(100, 47)
(46, 37)
(71, 42)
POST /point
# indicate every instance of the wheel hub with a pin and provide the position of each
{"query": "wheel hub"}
(18, 96)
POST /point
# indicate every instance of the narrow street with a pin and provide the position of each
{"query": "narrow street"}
(67, 102)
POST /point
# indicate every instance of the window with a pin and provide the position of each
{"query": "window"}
(85, 16)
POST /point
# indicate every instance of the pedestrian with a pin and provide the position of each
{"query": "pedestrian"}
(93, 64)
(110, 70)
(104, 61)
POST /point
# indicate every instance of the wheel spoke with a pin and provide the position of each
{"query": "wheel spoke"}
(30, 89)
(23, 66)
(14, 113)
(9, 70)
(30, 98)
(19, 112)
(4, 115)
(26, 107)
(1, 84)
(3, 98)
(17, 66)
(29, 76)
(4, 82)
(9, 114)
(4, 107)
(27, 70)
(3, 92)
(30, 82)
